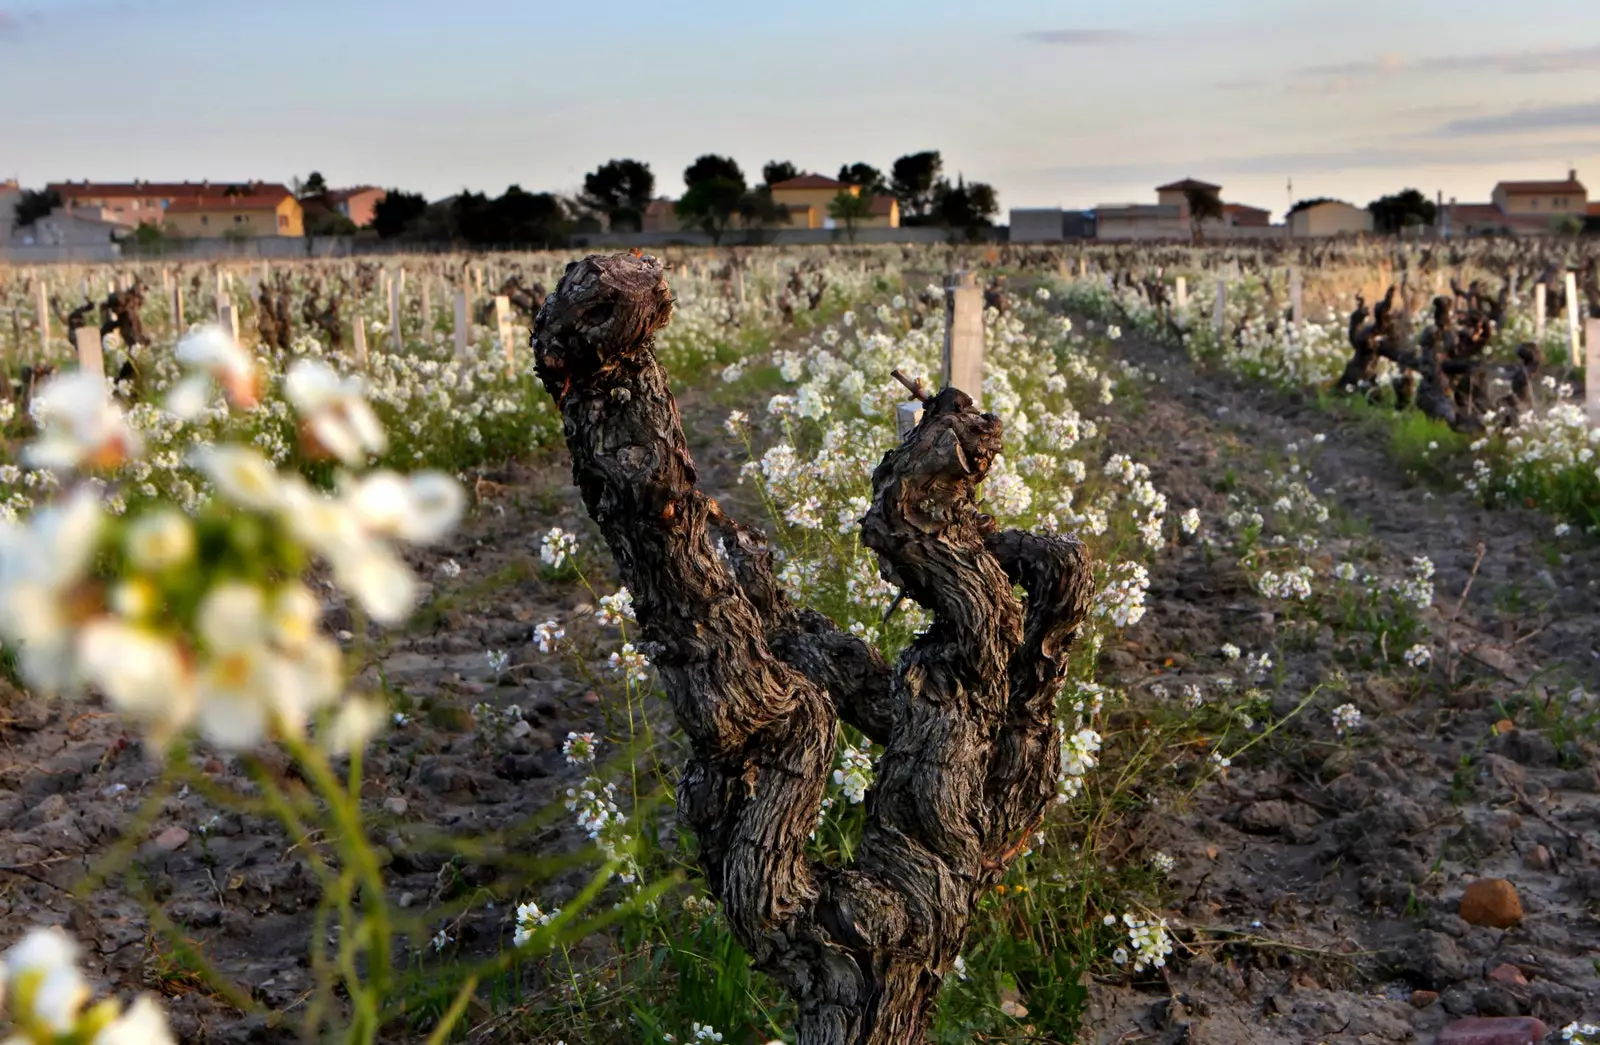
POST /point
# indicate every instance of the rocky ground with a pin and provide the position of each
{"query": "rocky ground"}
(1319, 885)
(1328, 880)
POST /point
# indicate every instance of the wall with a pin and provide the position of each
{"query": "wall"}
(1332, 219)
(817, 199)
(1037, 225)
(791, 236)
(1549, 204)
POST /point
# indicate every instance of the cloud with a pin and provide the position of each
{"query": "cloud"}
(1526, 62)
(1078, 37)
(1526, 120)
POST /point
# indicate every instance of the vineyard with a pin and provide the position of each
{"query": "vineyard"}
(492, 648)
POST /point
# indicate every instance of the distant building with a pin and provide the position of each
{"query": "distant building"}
(179, 206)
(358, 204)
(1168, 217)
(809, 196)
(10, 194)
(1526, 207)
(1049, 225)
(661, 215)
(269, 211)
(69, 227)
(1543, 198)
(1329, 218)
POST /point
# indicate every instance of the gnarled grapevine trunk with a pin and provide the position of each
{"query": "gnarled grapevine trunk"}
(966, 718)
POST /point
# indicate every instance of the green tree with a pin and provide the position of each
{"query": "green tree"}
(715, 194)
(1204, 205)
(865, 175)
(916, 185)
(1566, 225)
(1407, 207)
(850, 209)
(149, 238)
(969, 207)
(34, 204)
(620, 189)
(314, 185)
(778, 170)
(397, 212)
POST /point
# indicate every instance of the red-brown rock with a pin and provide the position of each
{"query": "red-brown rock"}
(1423, 999)
(1505, 972)
(1493, 1030)
(1491, 901)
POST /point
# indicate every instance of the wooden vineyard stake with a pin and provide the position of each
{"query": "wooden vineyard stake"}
(1296, 298)
(738, 280)
(1181, 295)
(228, 316)
(1219, 318)
(178, 325)
(1539, 293)
(1591, 373)
(462, 321)
(963, 335)
(42, 304)
(427, 310)
(502, 321)
(1574, 306)
(358, 338)
(223, 301)
(395, 338)
(91, 351)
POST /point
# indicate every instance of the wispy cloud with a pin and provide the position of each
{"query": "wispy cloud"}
(1526, 120)
(1078, 37)
(1525, 62)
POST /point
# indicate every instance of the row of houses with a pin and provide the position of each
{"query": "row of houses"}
(1515, 207)
(808, 201)
(98, 213)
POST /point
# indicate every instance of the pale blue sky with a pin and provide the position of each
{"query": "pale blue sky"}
(1053, 102)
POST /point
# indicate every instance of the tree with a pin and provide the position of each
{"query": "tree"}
(716, 189)
(621, 190)
(523, 218)
(757, 209)
(915, 185)
(964, 206)
(850, 209)
(1307, 204)
(324, 221)
(1407, 207)
(396, 212)
(34, 204)
(1204, 205)
(711, 168)
(778, 170)
(314, 185)
(966, 717)
(865, 175)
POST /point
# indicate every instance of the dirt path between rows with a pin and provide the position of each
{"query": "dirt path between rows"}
(1325, 875)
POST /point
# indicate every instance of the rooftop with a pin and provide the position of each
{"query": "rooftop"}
(1189, 183)
(71, 190)
(811, 181)
(1528, 188)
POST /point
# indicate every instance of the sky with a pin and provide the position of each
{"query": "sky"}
(1053, 102)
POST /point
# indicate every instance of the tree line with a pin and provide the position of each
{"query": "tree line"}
(716, 196)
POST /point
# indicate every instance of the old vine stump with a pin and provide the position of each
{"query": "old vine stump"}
(966, 717)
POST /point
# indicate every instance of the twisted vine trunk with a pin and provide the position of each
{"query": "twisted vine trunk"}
(966, 718)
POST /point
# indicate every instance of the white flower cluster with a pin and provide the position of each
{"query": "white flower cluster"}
(1417, 657)
(1080, 752)
(558, 547)
(1416, 587)
(1576, 1033)
(1121, 598)
(1346, 719)
(629, 664)
(1148, 942)
(615, 609)
(854, 774)
(547, 634)
(529, 920)
(1293, 583)
(45, 999)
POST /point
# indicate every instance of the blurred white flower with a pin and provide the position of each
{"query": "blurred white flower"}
(338, 418)
(80, 426)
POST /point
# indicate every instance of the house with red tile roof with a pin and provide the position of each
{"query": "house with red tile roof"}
(1529, 207)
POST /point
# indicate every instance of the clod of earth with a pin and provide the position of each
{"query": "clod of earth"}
(1491, 901)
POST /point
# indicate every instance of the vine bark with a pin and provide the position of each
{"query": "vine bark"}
(966, 717)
